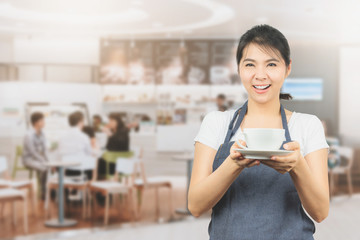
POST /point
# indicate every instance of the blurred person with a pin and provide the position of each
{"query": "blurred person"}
(118, 140)
(220, 102)
(89, 131)
(223, 108)
(34, 150)
(97, 123)
(253, 198)
(75, 141)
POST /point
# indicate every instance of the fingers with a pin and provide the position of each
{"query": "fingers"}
(275, 166)
(253, 163)
(285, 158)
(236, 155)
(292, 145)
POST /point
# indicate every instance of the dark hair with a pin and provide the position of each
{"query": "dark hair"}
(98, 117)
(89, 131)
(75, 118)
(269, 38)
(221, 96)
(120, 123)
(35, 117)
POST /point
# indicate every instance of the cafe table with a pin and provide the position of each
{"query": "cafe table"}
(61, 221)
(188, 158)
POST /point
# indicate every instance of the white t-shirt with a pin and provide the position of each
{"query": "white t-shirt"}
(304, 128)
(75, 142)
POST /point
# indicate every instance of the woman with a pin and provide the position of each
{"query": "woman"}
(118, 140)
(91, 133)
(119, 134)
(261, 199)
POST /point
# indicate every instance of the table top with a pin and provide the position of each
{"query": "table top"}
(61, 164)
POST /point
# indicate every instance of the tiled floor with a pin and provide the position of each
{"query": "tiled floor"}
(343, 223)
(120, 215)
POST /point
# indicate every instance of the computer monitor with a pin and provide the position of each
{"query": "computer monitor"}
(304, 88)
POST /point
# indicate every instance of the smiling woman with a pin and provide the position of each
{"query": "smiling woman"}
(253, 198)
(276, 59)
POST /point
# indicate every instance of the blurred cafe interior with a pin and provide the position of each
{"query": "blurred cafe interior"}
(134, 79)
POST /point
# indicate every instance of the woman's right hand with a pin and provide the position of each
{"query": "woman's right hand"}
(239, 159)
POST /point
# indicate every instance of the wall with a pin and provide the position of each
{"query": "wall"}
(349, 103)
(310, 60)
(49, 59)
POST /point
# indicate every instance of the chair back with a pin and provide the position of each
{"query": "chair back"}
(3, 164)
(19, 166)
(346, 152)
(87, 162)
(126, 168)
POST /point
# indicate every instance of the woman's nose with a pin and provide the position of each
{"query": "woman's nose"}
(260, 74)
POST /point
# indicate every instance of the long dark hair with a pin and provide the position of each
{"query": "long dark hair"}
(120, 123)
(269, 38)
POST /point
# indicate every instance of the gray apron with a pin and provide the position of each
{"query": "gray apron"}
(261, 203)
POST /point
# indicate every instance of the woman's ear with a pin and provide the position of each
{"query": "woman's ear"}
(288, 69)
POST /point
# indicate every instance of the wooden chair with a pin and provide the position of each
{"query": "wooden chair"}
(348, 154)
(13, 195)
(111, 157)
(125, 169)
(79, 183)
(6, 182)
(155, 183)
(17, 166)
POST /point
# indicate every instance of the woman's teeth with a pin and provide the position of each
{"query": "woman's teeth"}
(261, 87)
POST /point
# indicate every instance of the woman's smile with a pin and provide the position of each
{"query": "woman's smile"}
(261, 88)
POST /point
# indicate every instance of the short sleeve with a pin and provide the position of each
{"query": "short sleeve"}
(208, 133)
(315, 136)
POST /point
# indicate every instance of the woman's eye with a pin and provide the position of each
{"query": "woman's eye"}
(272, 64)
(249, 65)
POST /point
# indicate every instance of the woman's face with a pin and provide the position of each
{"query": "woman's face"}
(262, 73)
(112, 124)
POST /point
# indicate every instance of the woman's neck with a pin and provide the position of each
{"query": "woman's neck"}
(270, 108)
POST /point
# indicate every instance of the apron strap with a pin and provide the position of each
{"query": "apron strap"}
(231, 131)
(285, 126)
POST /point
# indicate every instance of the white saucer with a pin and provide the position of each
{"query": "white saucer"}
(262, 154)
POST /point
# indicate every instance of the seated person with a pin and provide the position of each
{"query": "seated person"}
(75, 141)
(34, 152)
(118, 141)
(97, 123)
(89, 131)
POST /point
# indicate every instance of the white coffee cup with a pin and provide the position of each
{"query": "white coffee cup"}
(264, 138)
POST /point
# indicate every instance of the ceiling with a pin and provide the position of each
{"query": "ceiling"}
(329, 21)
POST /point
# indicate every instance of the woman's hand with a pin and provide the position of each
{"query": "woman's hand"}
(239, 159)
(106, 129)
(286, 163)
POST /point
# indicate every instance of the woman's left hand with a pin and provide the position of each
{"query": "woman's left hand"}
(286, 163)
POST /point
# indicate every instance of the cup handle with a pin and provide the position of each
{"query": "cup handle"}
(244, 134)
(238, 142)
